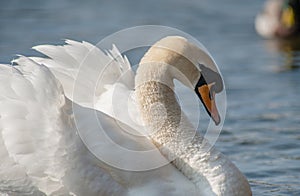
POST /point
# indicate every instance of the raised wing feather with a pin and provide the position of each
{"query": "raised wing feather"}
(84, 70)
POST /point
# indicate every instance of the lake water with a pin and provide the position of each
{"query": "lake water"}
(261, 133)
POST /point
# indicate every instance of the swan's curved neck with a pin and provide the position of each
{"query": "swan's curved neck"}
(178, 140)
(164, 119)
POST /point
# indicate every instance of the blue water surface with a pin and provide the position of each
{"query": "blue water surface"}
(261, 133)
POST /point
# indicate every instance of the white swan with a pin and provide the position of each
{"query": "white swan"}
(43, 154)
(279, 19)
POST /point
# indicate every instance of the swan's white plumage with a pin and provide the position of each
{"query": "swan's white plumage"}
(37, 123)
(39, 133)
(40, 136)
(13, 176)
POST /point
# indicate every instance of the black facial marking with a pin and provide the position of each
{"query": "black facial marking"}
(210, 76)
(201, 82)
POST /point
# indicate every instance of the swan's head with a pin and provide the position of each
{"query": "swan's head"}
(193, 67)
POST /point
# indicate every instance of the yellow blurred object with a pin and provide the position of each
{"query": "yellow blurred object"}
(288, 17)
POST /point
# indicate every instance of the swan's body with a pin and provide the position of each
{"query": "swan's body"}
(40, 117)
(279, 19)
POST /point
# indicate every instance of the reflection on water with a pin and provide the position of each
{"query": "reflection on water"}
(289, 50)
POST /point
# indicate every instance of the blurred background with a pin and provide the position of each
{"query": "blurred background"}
(261, 133)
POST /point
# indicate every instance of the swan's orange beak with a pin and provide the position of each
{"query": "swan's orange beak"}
(208, 99)
(207, 95)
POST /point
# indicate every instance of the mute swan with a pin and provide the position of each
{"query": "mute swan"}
(44, 102)
(279, 19)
